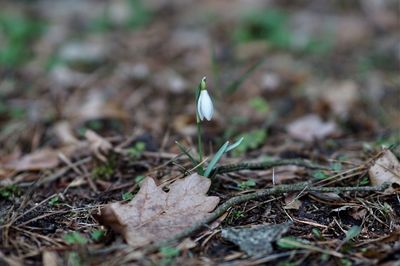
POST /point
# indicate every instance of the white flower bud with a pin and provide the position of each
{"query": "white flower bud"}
(205, 107)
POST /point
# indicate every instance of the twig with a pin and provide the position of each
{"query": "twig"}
(259, 194)
(266, 165)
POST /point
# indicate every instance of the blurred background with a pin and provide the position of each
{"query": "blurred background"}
(277, 70)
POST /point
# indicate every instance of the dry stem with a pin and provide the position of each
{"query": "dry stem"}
(266, 165)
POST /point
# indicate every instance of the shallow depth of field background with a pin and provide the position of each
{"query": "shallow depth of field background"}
(312, 80)
(128, 66)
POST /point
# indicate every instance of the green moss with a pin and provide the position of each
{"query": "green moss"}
(75, 238)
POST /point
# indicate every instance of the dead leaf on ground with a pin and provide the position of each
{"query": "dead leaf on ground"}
(98, 144)
(310, 127)
(358, 213)
(342, 97)
(155, 215)
(95, 106)
(64, 133)
(66, 77)
(327, 196)
(292, 202)
(38, 160)
(93, 51)
(280, 174)
(187, 244)
(385, 169)
(50, 258)
(256, 240)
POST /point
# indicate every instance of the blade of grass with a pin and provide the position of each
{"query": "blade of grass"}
(186, 152)
(234, 145)
(291, 243)
(353, 232)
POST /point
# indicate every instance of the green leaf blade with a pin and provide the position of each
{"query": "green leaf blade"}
(216, 158)
(186, 152)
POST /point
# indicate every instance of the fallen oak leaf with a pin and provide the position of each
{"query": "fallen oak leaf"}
(157, 215)
(385, 169)
(38, 160)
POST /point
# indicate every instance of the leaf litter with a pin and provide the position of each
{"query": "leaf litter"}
(256, 240)
(385, 169)
(154, 215)
(311, 127)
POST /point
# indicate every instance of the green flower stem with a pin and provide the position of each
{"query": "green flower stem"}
(199, 142)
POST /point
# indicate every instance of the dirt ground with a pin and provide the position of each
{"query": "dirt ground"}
(95, 94)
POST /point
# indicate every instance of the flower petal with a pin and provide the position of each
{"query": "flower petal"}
(199, 107)
(207, 108)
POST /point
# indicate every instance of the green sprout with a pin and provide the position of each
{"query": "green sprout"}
(75, 238)
(97, 235)
(136, 151)
(54, 201)
(9, 191)
(127, 196)
(247, 184)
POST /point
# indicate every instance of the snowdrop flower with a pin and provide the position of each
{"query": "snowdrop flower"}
(205, 107)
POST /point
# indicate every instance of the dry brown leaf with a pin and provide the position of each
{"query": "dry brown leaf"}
(187, 244)
(38, 160)
(341, 97)
(385, 169)
(50, 258)
(155, 215)
(98, 144)
(281, 174)
(327, 196)
(96, 106)
(311, 127)
(358, 213)
(64, 133)
(292, 202)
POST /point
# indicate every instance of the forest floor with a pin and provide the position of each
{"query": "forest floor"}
(95, 94)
